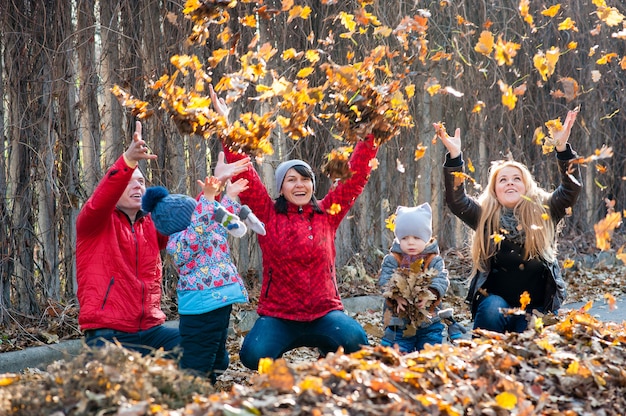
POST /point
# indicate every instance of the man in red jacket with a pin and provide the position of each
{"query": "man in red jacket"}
(118, 261)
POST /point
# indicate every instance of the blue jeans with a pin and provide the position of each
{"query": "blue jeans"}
(144, 342)
(272, 337)
(488, 316)
(432, 334)
(203, 338)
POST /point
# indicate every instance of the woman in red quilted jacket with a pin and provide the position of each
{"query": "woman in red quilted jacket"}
(299, 303)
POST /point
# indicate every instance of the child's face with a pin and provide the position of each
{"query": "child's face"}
(412, 245)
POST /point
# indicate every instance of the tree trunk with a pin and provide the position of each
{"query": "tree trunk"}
(5, 269)
(112, 114)
(88, 112)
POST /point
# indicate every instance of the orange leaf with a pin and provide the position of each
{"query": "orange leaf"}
(604, 229)
(485, 43)
(524, 300)
(611, 301)
(420, 151)
(552, 10)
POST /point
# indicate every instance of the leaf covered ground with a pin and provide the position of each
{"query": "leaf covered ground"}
(574, 366)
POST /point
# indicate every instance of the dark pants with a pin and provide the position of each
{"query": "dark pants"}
(144, 342)
(272, 337)
(203, 338)
(489, 316)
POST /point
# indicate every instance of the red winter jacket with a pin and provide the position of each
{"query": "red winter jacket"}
(299, 281)
(118, 264)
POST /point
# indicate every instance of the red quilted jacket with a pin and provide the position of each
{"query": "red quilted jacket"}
(118, 264)
(299, 281)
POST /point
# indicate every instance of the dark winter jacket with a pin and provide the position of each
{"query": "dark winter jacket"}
(299, 281)
(468, 210)
(118, 264)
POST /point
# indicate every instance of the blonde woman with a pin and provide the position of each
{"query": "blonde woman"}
(514, 246)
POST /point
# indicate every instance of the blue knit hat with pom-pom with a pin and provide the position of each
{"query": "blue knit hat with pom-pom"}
(170, 213)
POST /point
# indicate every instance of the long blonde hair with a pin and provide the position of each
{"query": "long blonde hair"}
(532, 215)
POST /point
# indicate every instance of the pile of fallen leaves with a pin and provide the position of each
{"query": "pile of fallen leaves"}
(576, 366)
(408, 296)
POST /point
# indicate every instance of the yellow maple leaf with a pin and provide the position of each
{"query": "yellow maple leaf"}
(485, 43)
(264, 365)
(568, 24)
(545, 63)
(604, 229)
(545, 345)
(299, 11)
(605, 59)
(291, 53)
(217, 56)
(505, 51)
(249, 20)
(572, 45)
(347, 20)
(524, 300)
(611, 301)
(587, 306)
(313, 55)
(305, 72)
(420, 151)
(572, 368)
(552, 10)
(334, 209)
(538, 136)
(390, 222)
(524, 12)
(410, 90)
(610, 15)
(621, 255)
(433, 89)
(470, 165)
(497, 238)
(478, 107)
(509, 99)
(506, 400)
(568, 263)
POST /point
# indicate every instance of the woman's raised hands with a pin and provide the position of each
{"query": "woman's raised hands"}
(562, 136)
(452, 143)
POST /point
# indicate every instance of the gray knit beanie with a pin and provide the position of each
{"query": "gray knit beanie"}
(170, 213)
(415, 221)
(282, 169)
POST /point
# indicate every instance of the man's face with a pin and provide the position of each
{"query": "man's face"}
(130, 201)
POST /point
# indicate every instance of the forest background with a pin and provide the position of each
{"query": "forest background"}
(502, 71)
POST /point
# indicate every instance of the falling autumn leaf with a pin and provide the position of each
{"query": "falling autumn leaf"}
(420, 151)
(552, 10)
(604, 230)
(485, 43)
(334, 209)
(524, 300)
(509, 99)
(568, 24)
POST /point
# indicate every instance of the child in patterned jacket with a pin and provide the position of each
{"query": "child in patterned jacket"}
(209, 283)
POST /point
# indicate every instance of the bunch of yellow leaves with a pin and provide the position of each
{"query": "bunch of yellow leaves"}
(336, 165)
(361, 105)
(411, 286)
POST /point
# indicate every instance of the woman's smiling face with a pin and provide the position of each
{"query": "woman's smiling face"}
(296, 188)
(509, 186)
